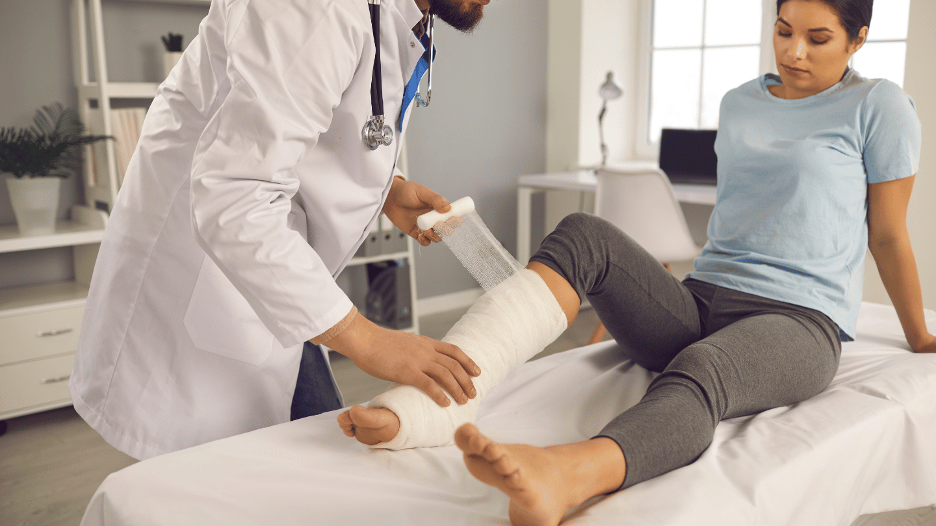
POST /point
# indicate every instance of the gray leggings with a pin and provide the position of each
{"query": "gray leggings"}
(722, 353)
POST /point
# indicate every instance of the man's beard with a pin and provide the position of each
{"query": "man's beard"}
(452, 13)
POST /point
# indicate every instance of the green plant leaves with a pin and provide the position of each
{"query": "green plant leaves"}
(49, 147)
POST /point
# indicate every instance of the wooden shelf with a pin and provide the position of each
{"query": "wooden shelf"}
(120, 90)
(67, 233)
(132, 90)
(22, 300)
(182, 2)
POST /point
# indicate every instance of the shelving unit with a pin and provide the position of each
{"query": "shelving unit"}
(39, 323)
(95, 100)
(408, 256)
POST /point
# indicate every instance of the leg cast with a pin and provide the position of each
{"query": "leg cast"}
(503, 329)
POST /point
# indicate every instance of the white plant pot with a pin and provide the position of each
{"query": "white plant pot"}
(35, 202)
(170, 59)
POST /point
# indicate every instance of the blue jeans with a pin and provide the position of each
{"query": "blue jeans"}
(316, 392)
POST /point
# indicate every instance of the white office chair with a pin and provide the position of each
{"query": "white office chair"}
(641, 202)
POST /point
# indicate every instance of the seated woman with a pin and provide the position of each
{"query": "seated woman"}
(814, 165)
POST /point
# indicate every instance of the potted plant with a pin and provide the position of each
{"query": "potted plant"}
(37, 159)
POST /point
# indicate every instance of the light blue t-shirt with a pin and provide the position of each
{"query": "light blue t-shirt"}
(790, 220)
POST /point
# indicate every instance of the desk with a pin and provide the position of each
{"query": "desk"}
(585, 181)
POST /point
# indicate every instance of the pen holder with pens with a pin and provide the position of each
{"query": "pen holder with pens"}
(173, 53)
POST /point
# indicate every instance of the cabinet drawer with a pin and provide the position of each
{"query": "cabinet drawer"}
(37, 334)
(34, 383)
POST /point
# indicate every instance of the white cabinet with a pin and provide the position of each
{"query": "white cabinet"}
(39, 324)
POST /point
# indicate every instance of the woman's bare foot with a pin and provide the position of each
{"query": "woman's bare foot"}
(543, 483)
(369, 425)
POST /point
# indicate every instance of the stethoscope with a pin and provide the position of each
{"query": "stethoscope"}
(375, 131)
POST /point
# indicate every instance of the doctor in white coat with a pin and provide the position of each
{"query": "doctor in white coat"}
(249, 191)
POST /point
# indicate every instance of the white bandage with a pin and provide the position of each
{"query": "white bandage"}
(503, 329)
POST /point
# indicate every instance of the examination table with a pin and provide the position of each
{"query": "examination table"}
(866, 444)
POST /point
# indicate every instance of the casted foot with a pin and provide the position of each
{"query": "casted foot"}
(369, 426)
(530, 476)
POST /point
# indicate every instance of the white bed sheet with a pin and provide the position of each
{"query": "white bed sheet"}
(866, 444)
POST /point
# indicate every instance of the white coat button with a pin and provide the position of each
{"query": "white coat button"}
(412, 44)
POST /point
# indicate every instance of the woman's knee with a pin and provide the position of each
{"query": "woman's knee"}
(591, 239)
(573, 249)
(577, 220)
(581, 224)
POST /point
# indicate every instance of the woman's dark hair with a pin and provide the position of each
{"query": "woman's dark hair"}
(853, 14)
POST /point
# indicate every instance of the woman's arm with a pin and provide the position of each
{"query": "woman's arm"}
(889, 242)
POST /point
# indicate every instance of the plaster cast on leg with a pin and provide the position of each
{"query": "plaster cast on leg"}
(503, 329)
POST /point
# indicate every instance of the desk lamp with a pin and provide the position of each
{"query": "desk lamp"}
(608, 91)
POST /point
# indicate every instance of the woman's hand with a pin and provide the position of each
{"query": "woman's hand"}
(405, 358)
(926, 344)
(407, 201)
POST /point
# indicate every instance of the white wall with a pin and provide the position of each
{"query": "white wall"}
(486, 124)
(562, 73)
(35, 68)
(608, 45)
(588, 38)
(919, 80)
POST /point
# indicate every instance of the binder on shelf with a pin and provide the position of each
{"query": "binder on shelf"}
(127, 123)
(384, 239)
(388, 300)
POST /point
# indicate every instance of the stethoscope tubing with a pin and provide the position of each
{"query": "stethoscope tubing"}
(376, 79)
(420, 102)
(375, 131)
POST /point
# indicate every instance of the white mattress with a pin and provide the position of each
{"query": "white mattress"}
(864, 445)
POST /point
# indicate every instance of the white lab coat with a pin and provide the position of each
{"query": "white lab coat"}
(248, 193)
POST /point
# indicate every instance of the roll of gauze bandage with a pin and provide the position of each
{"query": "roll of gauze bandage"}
(503, 329)
(459, 208)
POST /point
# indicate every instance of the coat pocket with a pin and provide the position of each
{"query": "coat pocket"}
(220, 321)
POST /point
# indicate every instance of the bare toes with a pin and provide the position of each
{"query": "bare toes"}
(373, 418)
(515, 481)
(346, 424)
(463, 436)
(484, 447)
(371, 426)
(504, 464)
(471, 441)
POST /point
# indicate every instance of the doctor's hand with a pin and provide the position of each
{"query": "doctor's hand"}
(405, 358)
(407, 201)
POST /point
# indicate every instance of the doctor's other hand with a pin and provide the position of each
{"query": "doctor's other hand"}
(406, 358)
(407, 201)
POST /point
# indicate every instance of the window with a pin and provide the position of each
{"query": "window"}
(884, 54)
(700, 49)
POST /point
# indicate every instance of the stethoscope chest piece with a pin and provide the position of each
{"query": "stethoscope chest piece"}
(376, 133)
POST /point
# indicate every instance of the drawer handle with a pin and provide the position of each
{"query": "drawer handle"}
(55, 380)
(54, 333)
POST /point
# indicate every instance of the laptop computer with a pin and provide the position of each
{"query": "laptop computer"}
(688, 156)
